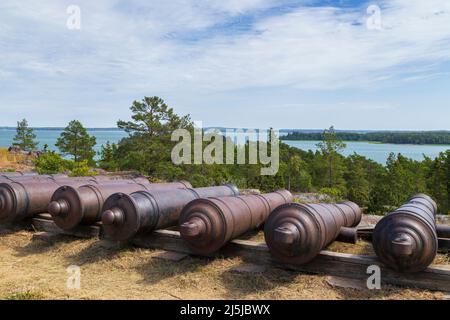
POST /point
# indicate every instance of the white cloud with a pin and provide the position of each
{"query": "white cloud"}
(180, 46)
(318, 48)
(322, 47)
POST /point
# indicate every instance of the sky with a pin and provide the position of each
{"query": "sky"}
(379, 65)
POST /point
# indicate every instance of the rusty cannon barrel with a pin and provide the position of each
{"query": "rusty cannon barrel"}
(406, 239)
(23, 177)
(125, 216)
(17, 174)
(20, 199)
(208, 224)
(296, 233)
(443, 231)
(71, 206)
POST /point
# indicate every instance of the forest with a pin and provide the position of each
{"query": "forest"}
(147, 150)
(396, 137)
(370, 184)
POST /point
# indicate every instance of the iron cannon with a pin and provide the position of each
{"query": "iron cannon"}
(406, 240)
(22, 198)
(207, 224)
(296, 233)
(124, 216)
(72, 206)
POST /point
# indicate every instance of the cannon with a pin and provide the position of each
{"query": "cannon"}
(23, 177)
(406, 240)
(296, 233)
(8, 175)
(23, 198)
(443, 231)
(71, 206)
(124, 216)
(208, 224)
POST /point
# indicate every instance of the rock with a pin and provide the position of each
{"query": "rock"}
(170, 256)
(346, 283)
(249, 268)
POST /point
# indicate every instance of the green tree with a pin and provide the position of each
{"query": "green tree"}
(108, 157)
(405, 177)
(148, 147)
(332, 160)
(357, 180)
(298, 177)
(438, 180)
(76, 141)
(25, 137)
(152, 117)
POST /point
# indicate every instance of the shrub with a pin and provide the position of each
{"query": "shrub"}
(334, 193)
(81, 169)
(50, 162)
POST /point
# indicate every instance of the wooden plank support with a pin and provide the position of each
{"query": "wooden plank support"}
(331, 263)
(48, 225)
(436, 277)
(444, 245)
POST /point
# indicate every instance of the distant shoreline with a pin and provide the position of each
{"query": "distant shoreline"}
(387, 137)
(62, 128)
(229, 128)
(373, 142)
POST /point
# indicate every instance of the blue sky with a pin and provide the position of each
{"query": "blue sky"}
(238, 63)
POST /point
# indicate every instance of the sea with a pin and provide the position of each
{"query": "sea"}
(378, 152)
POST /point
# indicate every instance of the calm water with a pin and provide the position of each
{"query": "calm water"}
(379, 152)
(374, 151)
(49, 137)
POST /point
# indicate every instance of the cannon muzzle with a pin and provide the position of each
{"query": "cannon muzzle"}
(406, 240)
(296, 233)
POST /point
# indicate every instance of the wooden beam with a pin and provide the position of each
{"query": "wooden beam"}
(436, 277)
(79, 232)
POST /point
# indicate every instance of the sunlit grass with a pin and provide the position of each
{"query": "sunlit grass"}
(8, 157)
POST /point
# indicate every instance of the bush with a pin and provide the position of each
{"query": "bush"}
(81, 169)
(334, 193)
(50, 163)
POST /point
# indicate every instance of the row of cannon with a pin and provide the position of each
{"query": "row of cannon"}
(405, 240)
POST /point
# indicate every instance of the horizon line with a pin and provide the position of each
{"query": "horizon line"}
(250, 128)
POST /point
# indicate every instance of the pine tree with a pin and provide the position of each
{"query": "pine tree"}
(438, 180)
(25, 137)
(148, 148)
(76, 141)
(358, 186)
(332, 159)
(107, 157)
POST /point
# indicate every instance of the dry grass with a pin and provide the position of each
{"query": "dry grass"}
(361, 247)
(12, 162)
(32, 268)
